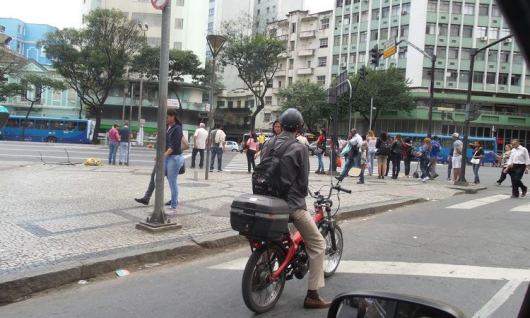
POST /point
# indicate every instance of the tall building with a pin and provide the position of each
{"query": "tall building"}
(449, 29)
(24, 38)
(188, 21)
(307, 37)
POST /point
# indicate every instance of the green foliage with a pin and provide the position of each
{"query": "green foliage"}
(390, 91)
(93, 59)
(254, 55)
(10, 64)
(310, 99)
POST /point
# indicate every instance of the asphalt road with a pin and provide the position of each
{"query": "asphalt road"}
(470, 251)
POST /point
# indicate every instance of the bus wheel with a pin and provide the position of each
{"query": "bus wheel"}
(51, 139)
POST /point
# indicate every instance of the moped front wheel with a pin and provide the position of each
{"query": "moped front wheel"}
(332, 257)
(261, 293)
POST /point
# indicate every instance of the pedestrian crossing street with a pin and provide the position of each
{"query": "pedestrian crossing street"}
(239, 163)
(472, 204)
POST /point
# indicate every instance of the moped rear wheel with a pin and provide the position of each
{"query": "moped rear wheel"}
(259, 292)
(332, 258)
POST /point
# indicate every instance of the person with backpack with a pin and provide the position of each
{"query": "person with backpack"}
(354, 155)
(396, 153)
(293, 182)
(382, 153)
(424, 156)
(408, 154)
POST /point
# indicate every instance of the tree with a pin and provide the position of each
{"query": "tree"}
(11, 64)
(310, 99)
(93, 59)
(254, 55)
(390, 91)
(181, 64)
(38, 84)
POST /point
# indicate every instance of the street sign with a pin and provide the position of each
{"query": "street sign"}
(341, 82)
(173, 103)
(207, 108)
(390, 48)
(159, 4)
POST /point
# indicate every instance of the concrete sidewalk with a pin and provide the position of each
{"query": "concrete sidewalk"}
(61, 224)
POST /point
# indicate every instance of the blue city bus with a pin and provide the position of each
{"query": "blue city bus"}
(48, 129)
(489, 145)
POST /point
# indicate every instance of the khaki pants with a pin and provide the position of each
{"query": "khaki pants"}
(315, 246)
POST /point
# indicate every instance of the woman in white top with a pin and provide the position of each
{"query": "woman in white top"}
(371, 140)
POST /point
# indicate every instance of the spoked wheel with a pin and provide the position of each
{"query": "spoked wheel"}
(259, 292)
(332, 258)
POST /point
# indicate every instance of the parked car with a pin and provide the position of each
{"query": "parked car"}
(313, 149)
(231, 146)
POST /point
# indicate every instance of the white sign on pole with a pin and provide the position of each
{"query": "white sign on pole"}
(173, 103)
(207, 108)
(390, 48)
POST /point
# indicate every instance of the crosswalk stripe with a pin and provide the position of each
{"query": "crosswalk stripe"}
(522, 208)
(238, 164)
(413, 269)
(478, 202)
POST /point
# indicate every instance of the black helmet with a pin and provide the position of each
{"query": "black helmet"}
(291, 120)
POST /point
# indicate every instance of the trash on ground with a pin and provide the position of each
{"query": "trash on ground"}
(82, 282)
(148, 265)
(122, 272)
(415, 237)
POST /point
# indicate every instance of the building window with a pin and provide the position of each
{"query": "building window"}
(444, 6)
(443, 29)
(495, 11)
(395, 10)
(384, 34)
(430, 29)
(469, 8)
(355, 18)
(268, 100)
(394, 31)
(250, 103)
(429, 49)
(494, 33)
(323, 42)
(362, 37)
(375, 14)
(268, 10)
(432, 6)
(210, 26)
(231, 104)
(483, 10)
(177, 45)
(454, 30)
(321, 80)
(291, 64)
(210, 12)
(457, 8)
(345, 39)
(404, 30)
(478, 77)
(515, 79)
(220, 103)
(292, 45)
(440, 51)
(467, 31)
(504, 32)
(335, 59)
(353, 57)
(353, 38)
(179, 24)
(452, 53)
(364, 16)
(336, 40)
(490, 78)
(405, 8)
(517, 58)
(374, 35)
(451, 75)
(465, 54)
(385, 12)
(180, 3)
(362, 57)
(279, 84)
(293, 27)
(290, 81)
(267, 117)
(258, 12)
(482, 32)
(324, 23)
(504, 57)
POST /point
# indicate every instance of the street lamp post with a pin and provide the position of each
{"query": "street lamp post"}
(215, 42)
(140, 134)
(371, 111)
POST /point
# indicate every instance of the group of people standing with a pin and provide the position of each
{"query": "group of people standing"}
(119, 138)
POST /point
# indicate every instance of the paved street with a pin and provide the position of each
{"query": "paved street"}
(475, 258)
(61, 221)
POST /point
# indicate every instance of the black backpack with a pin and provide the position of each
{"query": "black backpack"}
(266, 178)
(384, 148)
(408, 152)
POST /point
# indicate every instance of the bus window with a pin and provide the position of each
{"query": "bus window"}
(56, 125)
(28, 124)
(70, 126)
(13, 123)
(41, 124)
(81, 126)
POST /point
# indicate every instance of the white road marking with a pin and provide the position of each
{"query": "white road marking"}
(498, 300)
(478, 202)
(522, 208)
(413, 269)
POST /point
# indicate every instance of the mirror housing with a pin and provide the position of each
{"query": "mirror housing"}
(373, 304)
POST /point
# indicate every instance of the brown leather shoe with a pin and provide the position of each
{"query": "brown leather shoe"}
(316, 304)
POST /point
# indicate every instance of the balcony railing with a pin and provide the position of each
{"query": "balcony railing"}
(283, 37)
(306, 52)
(279, 73)
(305, 71)
(307, 34)
(286, 55)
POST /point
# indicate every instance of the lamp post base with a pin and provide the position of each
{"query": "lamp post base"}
(158, 227)
(461, 183)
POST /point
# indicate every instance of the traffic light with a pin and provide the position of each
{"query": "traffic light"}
(374, 54)
(362, 72)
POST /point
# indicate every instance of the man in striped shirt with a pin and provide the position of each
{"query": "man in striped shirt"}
(518, 164)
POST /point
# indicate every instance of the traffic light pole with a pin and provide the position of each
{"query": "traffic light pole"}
(470, 109)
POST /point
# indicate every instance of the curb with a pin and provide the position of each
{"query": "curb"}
(39, 280)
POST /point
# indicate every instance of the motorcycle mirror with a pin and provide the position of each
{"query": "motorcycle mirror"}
(371, 304)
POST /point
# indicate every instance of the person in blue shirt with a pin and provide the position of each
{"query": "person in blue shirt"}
(434, 156)
(424, 157)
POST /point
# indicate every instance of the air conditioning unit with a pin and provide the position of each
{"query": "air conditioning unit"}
(404, 13)
(508, 40)
(484, 38)
(343, 64)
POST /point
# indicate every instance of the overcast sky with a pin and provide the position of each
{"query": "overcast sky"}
(66, 13)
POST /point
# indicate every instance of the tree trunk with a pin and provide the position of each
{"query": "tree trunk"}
(256, 112)
(23, 135)
(95, 140)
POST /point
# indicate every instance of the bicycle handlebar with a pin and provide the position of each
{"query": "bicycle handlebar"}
(339, 188)
(335, 187)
